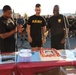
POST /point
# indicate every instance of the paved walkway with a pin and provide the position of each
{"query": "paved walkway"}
(25, 44)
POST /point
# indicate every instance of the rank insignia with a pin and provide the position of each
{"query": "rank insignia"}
(59, 20)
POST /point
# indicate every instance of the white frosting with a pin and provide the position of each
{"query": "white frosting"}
(49, 58)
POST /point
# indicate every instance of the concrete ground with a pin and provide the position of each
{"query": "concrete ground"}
(25, 44)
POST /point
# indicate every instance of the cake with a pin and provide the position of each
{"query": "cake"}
(49, 54)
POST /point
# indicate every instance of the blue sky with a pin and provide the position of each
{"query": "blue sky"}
(28, 6)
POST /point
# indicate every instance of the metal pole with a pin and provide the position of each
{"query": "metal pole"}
(67, 36)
